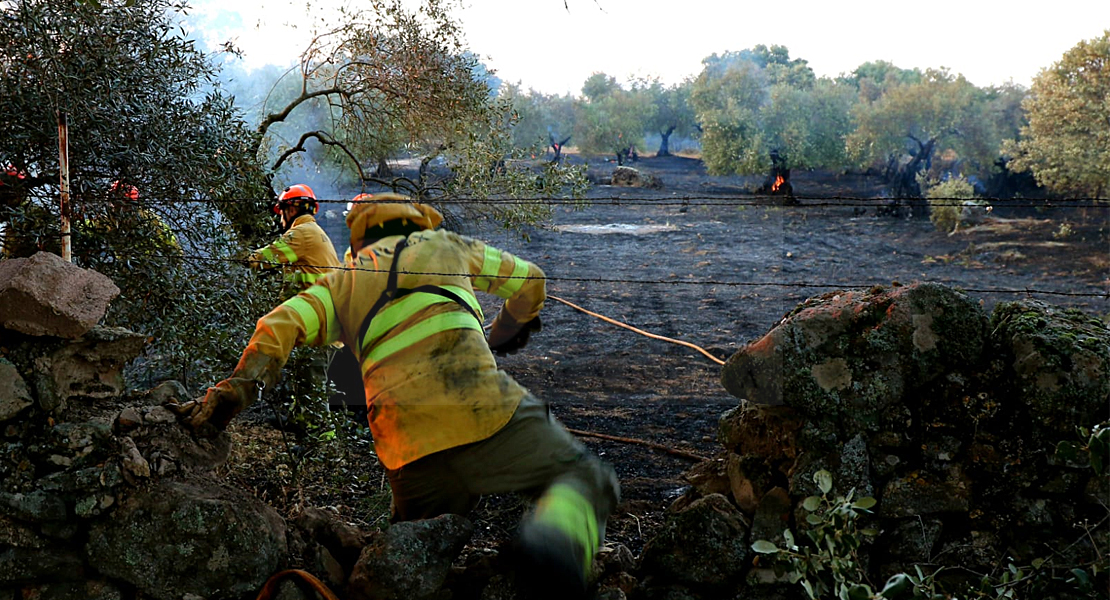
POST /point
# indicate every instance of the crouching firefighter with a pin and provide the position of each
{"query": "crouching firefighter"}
(304, 251)
(448, 425)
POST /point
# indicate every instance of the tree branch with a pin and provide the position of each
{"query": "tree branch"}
(325, 139)
(304, 97)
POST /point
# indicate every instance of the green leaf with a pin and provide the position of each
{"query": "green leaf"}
(1067, 451)
(813, 519)
(859, 592)
(865, 503)
(811, 503)
(789, 537)
(896, 586)
(824, 481)
(765, 547)
(1037, 562)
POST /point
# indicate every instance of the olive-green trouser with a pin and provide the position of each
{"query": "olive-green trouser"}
(532, 452)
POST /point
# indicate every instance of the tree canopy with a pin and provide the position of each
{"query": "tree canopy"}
(1066, 143)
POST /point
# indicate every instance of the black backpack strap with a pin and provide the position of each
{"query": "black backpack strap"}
(446, 293)
(389, 293)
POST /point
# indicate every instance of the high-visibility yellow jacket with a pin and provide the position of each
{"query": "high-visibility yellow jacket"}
(431, 380)
(304, 252)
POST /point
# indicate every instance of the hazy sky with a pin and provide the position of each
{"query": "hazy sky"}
(554, 49)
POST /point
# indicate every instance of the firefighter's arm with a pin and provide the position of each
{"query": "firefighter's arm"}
(522, 285)
(283, 251)
(307, 319)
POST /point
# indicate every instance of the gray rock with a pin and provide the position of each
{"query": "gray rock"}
(45, 295)
(926, 493)
(76, 590)
(848, 357)
(14, 394)
(26, 565)
(33, 507)
(410, 560)
(630, 177)
(90, 367)
(178, 537)
(703, 547)
(1060, 360)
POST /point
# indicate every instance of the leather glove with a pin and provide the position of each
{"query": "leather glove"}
(508, 337)
(211, 415)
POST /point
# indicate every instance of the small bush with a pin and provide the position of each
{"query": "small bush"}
(946, 202)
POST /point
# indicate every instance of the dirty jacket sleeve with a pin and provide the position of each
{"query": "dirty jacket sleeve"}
(307, 319)
(521, 283)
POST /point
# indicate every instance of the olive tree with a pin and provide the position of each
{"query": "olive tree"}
(388, 81)
(910, 124)
(610, 119)
(129, 83)
(1066, 143)
(673, 114)
(761, 111)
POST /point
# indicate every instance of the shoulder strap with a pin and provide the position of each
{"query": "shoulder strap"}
(387, 294)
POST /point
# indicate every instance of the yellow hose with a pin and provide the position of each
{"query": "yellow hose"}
(639, 331)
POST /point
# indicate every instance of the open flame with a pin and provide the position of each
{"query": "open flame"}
(778, 183)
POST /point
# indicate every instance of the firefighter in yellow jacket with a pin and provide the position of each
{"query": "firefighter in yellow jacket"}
(304, 251)
(448, 425)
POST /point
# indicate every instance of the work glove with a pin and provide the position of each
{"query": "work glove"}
(506, 336)
(210, 415)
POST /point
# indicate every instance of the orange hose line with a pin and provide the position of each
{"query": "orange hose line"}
(270, 589)
(639, 331)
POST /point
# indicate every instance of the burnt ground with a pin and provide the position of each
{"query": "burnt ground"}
(720, 269)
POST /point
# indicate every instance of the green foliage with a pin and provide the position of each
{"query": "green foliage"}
(1093, 448)
(611, 119)
(672, 115)
(539, 118)
(946, 202)
(942, 108)
(756, 101)
(128, 81)
(1066, 143)
(829, 566)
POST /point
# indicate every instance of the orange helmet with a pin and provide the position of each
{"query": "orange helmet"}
(299, 196)
(125, 190)
(370, 210)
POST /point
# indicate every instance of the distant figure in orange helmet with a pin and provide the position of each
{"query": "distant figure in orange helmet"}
(303, 251)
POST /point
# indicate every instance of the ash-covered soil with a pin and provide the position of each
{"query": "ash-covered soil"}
(705, 261)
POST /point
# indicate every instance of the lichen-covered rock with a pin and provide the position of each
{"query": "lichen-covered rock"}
(703, 547)
(768, 431)
(847, 358)
(177, 538)
(46, 296)
(73, 590)
(410, 560)
(1060, 365)
(27, 565)
(14, 393)
(90, 367)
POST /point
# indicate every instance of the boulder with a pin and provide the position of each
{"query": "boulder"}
(46, 296)
(849, 357)
(1059, 363)
(176, 538)
(703, 547)
(629, 177)
(410, 560)
(89, 367)
(14, 394)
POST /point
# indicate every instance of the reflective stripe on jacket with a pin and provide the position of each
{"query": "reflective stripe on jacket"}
(305, 252)
(431, 381)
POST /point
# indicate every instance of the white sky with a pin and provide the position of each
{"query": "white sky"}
(552, 49)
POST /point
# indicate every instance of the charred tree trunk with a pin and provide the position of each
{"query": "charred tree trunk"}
(383, 169)
(778, 182)
(422, 176)
(557, 147)
(665, 142)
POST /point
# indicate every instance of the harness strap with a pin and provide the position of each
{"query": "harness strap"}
(392, 292)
